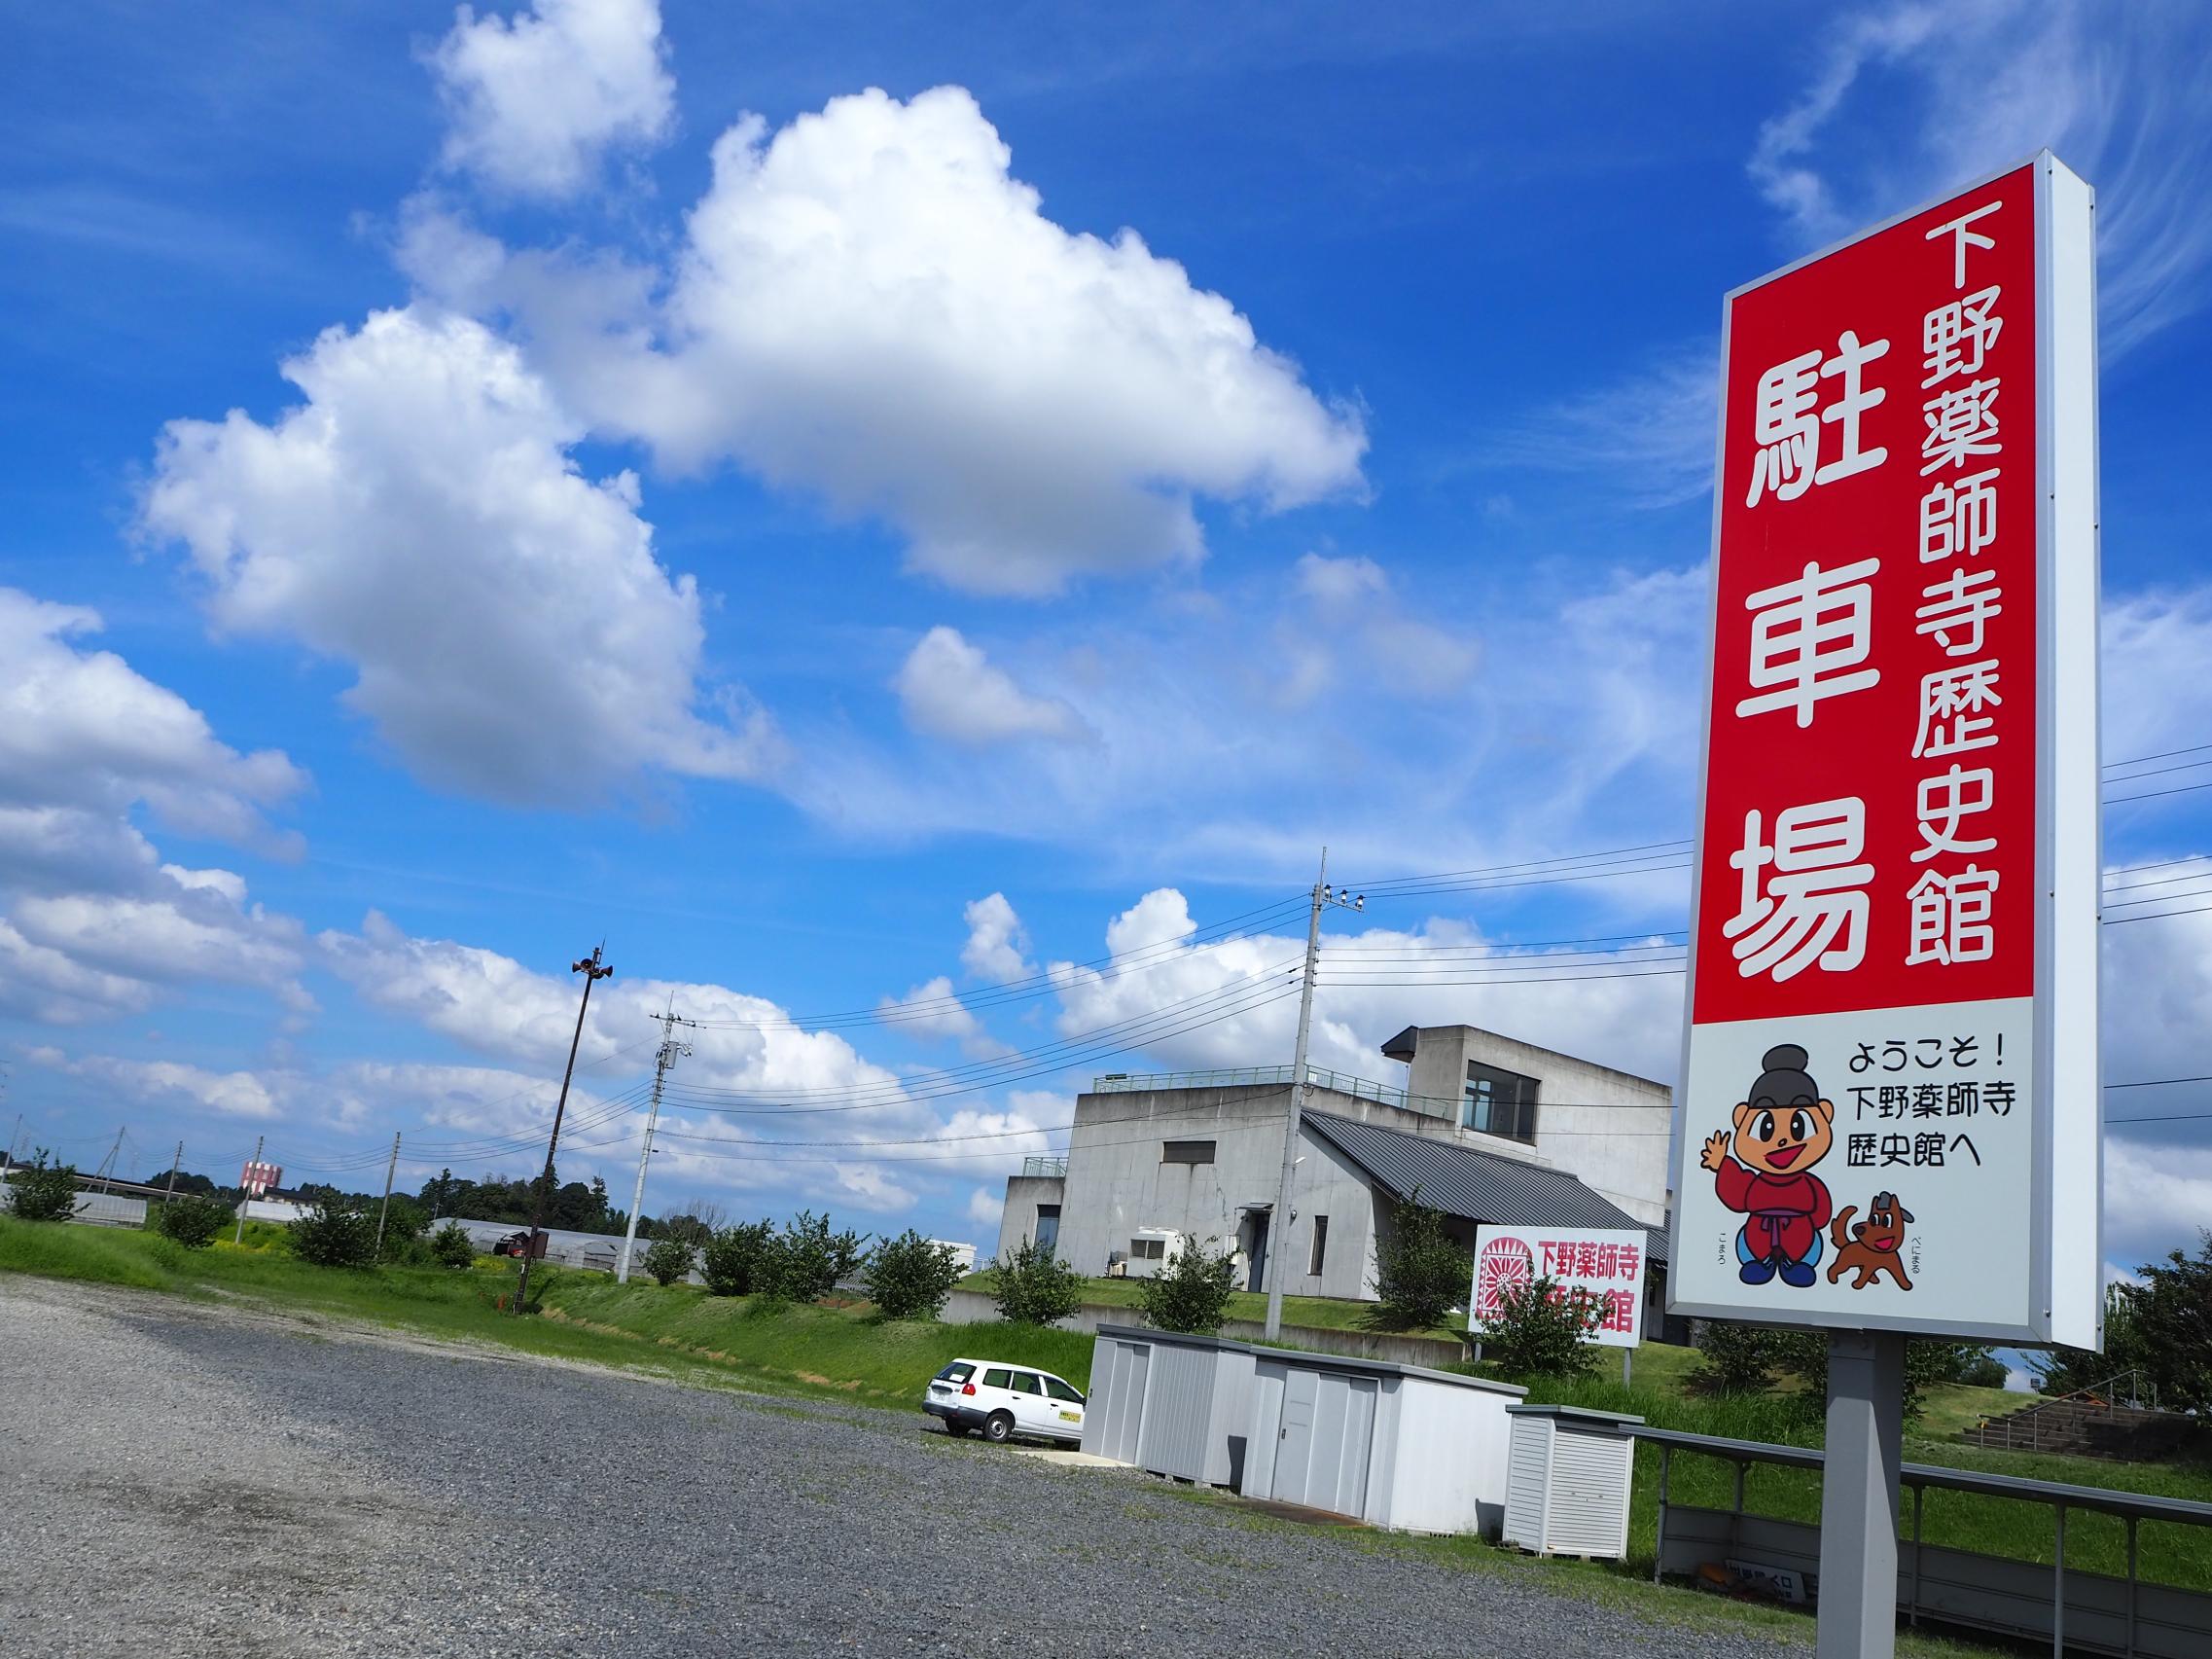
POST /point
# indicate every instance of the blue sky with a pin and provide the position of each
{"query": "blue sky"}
(862, 507)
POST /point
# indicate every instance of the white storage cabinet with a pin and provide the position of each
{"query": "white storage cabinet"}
(1568, 1474)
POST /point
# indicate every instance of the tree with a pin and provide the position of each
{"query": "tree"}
(685, 1228)
(734, 1261)
(1191, 1292)
(669, 1260)
(1537, 1331)
(44, 1191)
(405, 1220)
(1033, 1287)
(187, 1182)
(335, 1235)
(451, 1245)
(1420, 1273)
(192, 1221)
(2162, 1328)
(910, 1277)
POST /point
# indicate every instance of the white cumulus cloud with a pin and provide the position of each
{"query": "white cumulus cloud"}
(419, 518)
(998, 945)
(870, 307)
(535, 99)
(950, 688)
(933, 1010)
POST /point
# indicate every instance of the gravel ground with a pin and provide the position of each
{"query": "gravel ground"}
(188, 1479)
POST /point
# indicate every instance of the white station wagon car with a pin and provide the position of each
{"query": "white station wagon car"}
(1000, 1401)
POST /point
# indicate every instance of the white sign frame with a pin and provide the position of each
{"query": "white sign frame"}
(2059, 1298)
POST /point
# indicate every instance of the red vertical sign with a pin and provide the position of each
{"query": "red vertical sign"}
(1869, 813)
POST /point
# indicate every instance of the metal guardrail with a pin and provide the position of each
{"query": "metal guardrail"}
(2130, 1506)
(1244, 1077)
(1052, 1169)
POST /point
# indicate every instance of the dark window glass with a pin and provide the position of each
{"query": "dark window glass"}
(1320, 1244)
(1060, 1390)
(1499, 1102)
(1185, 1152)
(996, 1378)
(1024, 1382)
(959, 1371)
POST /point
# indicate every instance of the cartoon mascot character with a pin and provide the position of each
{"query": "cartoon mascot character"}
(1781, 1131)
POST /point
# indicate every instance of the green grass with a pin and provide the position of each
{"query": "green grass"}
(1318, 1312)
(843, 1349)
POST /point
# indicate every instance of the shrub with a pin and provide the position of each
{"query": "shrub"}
(670, 1259)
(1419, 1273)
(1537, 1331)
(910, 1277)
(733, 1262)
(335, 1234)
(1190, 1293)
(1736, 1359)
(807, 1260)
(453, 1246)
(1033, 1287)
(192, 1222)
(44, 1192)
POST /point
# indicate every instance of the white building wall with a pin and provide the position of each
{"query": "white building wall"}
(1608, 1129)
(1118, 1183)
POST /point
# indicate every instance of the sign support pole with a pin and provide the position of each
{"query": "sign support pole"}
(1857, 1495)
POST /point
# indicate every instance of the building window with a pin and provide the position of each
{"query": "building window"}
(1320, 1251)
(1148, 1249)
(1499, 1103)
(1047, 1227)
(1185, 1152)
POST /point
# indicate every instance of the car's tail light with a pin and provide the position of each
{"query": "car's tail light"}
(967, 1387)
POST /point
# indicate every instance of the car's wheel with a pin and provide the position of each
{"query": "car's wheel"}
(958, 1431)
(998, 1428)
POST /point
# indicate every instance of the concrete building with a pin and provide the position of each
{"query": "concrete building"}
(1488, 1130)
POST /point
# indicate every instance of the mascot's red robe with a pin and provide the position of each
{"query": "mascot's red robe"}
(1787, 1211)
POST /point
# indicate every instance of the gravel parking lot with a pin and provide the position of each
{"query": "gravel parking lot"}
(192, 1480)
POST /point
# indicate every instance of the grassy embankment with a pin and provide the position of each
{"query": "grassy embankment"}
(1320, 1312)
(843, 1353)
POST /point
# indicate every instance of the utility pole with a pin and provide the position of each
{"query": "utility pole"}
(1279, 1222)
(15, 1134)
(244, 1197)
(670, 1052)
(592, 971)
(175, 1164)
(107, 1164)
(390, 1169)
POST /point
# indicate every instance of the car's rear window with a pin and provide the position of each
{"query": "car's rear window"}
(995, 1377)
(959, 1371)
(1060, 1390)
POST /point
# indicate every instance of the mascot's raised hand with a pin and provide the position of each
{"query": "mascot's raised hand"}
(1715, 1149)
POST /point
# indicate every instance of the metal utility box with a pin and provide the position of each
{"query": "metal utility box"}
(1568, 1477)
(1399, 1446)
(1170, 1403)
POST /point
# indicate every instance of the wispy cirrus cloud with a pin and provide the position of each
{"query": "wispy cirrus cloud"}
(1907, 102)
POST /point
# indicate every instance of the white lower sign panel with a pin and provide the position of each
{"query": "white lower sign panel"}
(1865, 1164)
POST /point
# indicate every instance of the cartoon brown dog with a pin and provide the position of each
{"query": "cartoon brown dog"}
(1871, 1249)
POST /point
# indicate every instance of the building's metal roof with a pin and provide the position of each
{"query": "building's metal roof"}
(1475, 1185)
